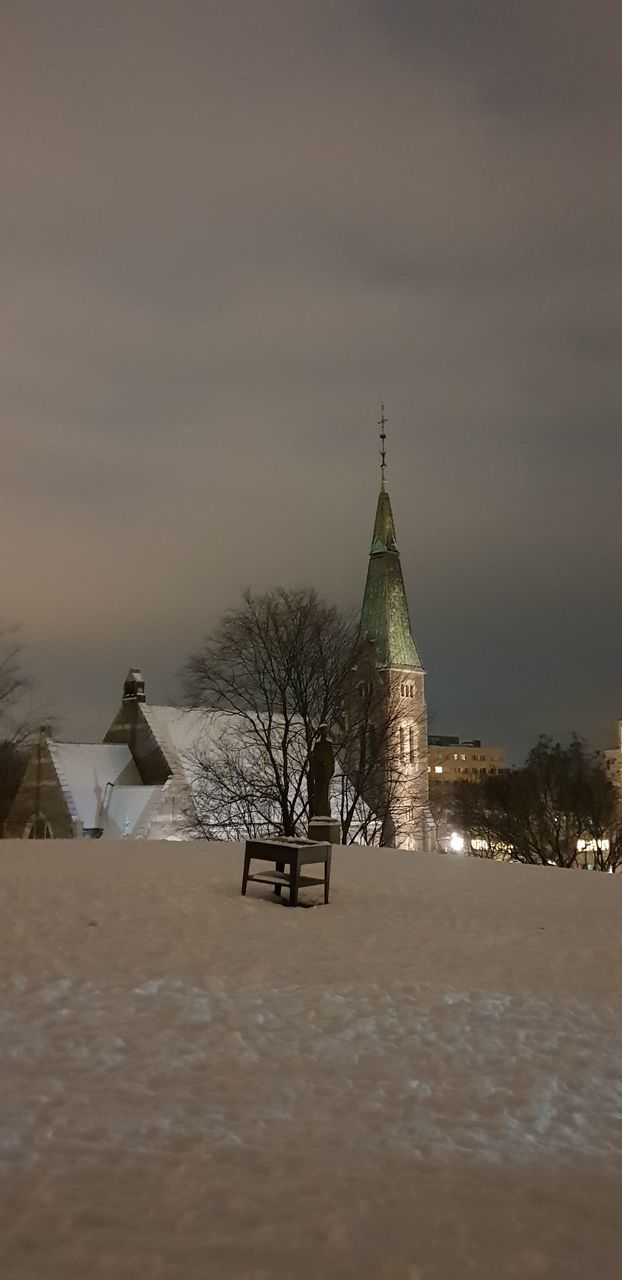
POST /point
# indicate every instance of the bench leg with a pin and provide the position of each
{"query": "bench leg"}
(294, 881)
(280, 866)
(247, 863)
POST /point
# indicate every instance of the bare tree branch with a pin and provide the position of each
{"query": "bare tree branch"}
(284, 663)
(560, 807)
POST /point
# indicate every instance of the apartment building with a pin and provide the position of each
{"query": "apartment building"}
(450, 760)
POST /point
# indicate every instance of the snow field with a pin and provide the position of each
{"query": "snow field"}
(420, 1081)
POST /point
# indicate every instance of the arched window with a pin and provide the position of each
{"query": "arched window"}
(38, 828)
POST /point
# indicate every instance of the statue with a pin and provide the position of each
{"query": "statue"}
(321, 769)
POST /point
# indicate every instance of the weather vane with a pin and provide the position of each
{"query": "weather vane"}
(383, 435)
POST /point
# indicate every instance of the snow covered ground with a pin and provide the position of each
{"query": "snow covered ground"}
(422, 1081)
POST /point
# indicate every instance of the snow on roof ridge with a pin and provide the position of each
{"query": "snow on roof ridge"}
(161, 734)
(78, 742)
(91, 746)
(64, 785)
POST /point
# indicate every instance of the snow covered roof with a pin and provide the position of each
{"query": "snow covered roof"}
(87, 771)
(104, 789)
(182, 731)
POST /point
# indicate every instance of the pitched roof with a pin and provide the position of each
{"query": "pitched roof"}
(384, 617)
(181, 731)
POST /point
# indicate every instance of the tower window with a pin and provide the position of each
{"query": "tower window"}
(411, 745)
(402, 745)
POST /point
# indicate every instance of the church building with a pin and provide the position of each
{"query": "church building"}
(141, 780)
(399, 676)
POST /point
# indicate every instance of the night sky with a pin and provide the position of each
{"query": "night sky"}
(227, 229)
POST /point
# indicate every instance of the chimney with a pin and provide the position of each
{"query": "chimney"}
(134, 686)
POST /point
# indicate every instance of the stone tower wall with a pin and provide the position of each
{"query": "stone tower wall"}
(411, 817)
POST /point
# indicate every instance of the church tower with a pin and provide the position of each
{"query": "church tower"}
(399, 679)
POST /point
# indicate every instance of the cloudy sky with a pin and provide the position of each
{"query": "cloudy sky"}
(226, 230)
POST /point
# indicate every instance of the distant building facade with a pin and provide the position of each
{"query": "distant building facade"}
(450, 760)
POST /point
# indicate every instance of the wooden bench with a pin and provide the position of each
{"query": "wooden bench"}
(290, 852)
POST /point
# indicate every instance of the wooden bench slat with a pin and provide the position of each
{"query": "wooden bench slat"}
(277, 877)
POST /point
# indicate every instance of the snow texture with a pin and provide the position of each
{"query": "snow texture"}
(421, 1081)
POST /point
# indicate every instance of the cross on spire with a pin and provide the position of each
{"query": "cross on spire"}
(383, 452)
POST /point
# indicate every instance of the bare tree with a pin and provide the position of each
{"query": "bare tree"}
(381, 779)
(15, 727)
(559, 806)
(14, 685)
(441, 803)
(278, 666)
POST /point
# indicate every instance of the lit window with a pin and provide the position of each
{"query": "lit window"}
(438, 768)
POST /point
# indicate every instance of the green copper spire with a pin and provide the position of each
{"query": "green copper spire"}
(384, 616)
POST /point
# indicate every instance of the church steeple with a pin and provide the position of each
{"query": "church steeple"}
(384, 616)
(384, 528)
(383, 445)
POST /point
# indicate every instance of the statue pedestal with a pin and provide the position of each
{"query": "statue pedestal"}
(324, 830)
